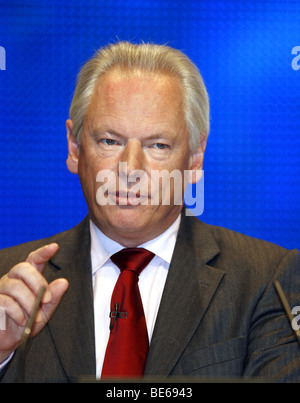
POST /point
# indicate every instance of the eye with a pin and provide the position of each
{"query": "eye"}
(160, 146)
(109, 142)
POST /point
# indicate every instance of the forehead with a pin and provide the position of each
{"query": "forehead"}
(136, 103)
(124, 88)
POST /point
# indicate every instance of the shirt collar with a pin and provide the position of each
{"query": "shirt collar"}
(103, 247)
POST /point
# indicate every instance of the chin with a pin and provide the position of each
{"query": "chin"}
(125, 218)
(131, 220)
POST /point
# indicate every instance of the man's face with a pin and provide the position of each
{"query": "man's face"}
(135, 119)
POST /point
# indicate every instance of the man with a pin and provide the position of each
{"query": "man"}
(208, 295)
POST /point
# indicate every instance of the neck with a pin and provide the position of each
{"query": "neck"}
(133, 238)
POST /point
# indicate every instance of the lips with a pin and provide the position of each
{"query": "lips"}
(128, 198)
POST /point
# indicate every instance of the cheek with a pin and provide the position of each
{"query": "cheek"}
(180, 161)
(89, 162)
(89, 167)
(87, 170)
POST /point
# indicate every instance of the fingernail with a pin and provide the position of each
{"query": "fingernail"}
(47, 297)
(39, 317)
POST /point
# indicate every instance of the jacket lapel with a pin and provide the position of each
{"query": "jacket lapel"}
(190, 286)
(72, 325)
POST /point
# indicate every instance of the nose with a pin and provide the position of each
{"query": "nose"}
(133, 156)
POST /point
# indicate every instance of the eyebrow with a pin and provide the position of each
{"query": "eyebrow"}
(99, 130)
(156, 136)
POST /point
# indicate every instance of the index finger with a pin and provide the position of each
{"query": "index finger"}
(40, 257)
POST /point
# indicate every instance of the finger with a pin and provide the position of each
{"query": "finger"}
(12, 310)
(20, 292)
(57, 288)
(28, 277)
(40, 257)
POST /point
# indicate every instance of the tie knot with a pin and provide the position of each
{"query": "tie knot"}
(133, 259)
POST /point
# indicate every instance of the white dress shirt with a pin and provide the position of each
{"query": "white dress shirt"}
(105, 274)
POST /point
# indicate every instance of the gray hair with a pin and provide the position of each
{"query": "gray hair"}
(146, 57)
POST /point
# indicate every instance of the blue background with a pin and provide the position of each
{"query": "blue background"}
(243, 50)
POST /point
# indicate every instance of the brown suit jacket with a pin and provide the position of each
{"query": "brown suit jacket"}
(219, 316)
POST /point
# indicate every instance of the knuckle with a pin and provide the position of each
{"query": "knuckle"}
(21, 270)
(31, 255)
(19, 267)
(6, 302)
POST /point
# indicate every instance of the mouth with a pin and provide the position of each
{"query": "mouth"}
(127, 198)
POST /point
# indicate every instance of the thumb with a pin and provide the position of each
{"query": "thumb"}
(57, 289)
(40, 257)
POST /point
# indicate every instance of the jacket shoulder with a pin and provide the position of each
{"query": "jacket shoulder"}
(13, 255)
(235, 247)
(250, 262)
(250, 256)
(244, 243)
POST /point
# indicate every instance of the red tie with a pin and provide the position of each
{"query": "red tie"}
(128, 343)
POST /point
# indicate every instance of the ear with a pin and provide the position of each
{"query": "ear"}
(73, 147)
(196, 161)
